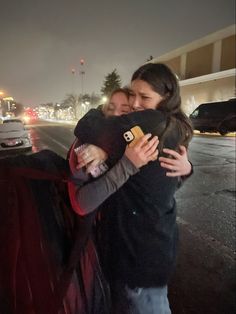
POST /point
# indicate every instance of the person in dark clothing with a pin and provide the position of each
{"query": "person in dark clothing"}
(110, 135)
(48, 260)
(138, 230)
(118, 104)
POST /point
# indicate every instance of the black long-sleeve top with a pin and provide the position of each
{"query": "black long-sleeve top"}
(138, 231)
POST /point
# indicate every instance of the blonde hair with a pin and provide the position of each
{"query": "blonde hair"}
(108, 108)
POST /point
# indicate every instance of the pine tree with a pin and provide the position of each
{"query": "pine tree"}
(111, 82)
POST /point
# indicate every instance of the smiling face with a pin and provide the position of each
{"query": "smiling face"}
(142, 96)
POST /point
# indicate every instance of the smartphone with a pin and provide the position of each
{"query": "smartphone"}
(133, 135)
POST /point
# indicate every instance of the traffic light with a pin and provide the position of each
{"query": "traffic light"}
(82, 61)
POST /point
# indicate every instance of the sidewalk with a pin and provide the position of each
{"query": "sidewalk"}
(232, 134)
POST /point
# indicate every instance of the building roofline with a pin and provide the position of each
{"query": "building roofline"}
(208, 77)
(223, 33)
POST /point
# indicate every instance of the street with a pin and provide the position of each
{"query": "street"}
(204, 281)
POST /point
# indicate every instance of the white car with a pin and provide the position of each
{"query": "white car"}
(13, 135)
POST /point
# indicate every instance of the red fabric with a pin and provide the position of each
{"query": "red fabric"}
(28, 278)
(32, 279)
(72, 189)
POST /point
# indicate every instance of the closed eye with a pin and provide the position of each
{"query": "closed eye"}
(131, 94)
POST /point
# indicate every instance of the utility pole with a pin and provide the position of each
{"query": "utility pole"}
(82, 72)
(73, 80)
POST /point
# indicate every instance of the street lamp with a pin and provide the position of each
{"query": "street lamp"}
(104, 99)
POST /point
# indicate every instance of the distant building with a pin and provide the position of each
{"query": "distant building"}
(205, 68)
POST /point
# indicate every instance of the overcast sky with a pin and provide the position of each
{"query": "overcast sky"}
(42, 40)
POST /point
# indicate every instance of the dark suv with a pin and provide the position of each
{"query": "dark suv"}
(215, 117)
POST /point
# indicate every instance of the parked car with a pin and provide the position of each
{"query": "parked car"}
(13, 135)
(215, 117)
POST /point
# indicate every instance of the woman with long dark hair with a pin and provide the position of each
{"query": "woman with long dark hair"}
(138, 230)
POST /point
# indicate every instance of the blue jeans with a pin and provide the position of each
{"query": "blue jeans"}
(140, 301)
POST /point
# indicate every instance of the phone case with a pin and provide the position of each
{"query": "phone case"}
(133, 135)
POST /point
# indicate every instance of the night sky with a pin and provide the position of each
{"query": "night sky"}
(41, 41)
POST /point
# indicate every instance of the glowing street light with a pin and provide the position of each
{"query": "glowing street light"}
(104, 99)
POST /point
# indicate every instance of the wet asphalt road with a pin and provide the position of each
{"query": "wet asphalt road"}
(205, 277)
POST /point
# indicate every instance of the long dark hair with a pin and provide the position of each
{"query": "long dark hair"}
(163, 81)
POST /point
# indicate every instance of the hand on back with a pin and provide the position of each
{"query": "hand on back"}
(179, 165)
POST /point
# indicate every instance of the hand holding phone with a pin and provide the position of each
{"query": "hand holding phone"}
(133, 135)
(141, 148)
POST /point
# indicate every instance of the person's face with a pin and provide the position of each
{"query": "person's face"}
(118, 105)
(142, 96)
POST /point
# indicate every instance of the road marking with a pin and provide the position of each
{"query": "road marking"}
(53, 140)
(212, 242)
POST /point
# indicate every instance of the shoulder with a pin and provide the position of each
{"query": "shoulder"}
(153, 121)
(92, 119)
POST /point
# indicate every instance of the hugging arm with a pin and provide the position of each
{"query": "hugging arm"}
(177, 164)
(113, 127)
(87, 198)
